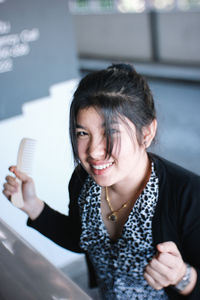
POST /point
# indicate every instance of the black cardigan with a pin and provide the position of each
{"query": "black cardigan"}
(177, 217)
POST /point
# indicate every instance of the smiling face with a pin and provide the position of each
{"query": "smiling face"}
(127, 157)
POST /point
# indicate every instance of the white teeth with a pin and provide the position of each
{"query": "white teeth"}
(101, 167)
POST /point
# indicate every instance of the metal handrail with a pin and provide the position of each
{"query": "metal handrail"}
(26, 274)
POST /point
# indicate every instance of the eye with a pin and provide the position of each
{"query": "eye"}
(81, 134)
(114, 131)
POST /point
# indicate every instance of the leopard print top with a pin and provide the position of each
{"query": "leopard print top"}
(120, 265)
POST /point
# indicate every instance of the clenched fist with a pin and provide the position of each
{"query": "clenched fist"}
(168, 268)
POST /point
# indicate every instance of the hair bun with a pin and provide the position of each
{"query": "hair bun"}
(127, 68)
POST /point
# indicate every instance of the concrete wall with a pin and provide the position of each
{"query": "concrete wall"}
(37, 62)
(37, 50)
(179, 37)
(130, 36)
(46, 120)
(113, 35)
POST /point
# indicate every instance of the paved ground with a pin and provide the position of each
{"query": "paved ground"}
(178, 107)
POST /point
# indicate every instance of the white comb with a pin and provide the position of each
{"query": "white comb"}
(25, 158)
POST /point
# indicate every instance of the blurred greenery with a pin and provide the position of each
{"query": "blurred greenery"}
(133, 5)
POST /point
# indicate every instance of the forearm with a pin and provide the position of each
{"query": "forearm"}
(60, 228)
(34, 210)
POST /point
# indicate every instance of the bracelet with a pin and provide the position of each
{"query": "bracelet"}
(185, 280)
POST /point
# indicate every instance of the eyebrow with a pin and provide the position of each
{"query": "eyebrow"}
(103, 125)
(80, 126)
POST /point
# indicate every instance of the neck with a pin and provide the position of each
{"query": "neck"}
(136, 181)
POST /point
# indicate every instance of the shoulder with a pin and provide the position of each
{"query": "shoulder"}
(77, 179)
(179, 200)
(171, 172)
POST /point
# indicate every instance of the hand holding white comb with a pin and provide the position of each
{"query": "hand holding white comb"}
(24, 164)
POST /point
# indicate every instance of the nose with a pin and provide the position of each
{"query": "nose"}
(97, 148)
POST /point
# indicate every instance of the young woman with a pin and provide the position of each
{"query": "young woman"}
(135, 215)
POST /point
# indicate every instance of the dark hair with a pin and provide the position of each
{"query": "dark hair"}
(118, 92)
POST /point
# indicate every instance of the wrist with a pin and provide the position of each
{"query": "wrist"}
(187, 282)
(35, 209)
(185, 279)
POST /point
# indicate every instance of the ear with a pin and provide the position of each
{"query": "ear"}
(149, 133)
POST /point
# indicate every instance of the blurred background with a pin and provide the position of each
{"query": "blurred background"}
(46, 47)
